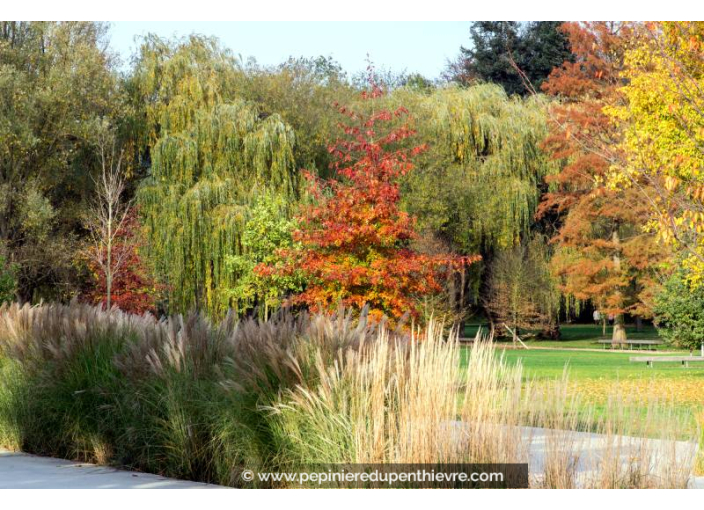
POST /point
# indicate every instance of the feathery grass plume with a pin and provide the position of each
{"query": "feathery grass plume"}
(187, 398)
(395, 402)
(640, 445)
(61, 387)
(274, 356)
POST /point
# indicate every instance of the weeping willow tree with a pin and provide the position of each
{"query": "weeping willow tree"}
(484, 165)
(196, 201)
(477, 187)
(173, 79)
(211, 155)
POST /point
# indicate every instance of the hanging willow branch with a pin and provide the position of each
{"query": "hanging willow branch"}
(196, 202)
(485, 157)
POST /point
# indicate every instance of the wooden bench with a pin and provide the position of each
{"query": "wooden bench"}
(638, 343)
(685, 360)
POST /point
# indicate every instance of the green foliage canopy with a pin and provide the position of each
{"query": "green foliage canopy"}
(267, 231)
(535, 47)
(196, 201)
(303, 92)
(56, 83)
(211, 154)
(479, 183)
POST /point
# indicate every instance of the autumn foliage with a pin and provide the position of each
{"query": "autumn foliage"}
(134, 290)
(661, 120)
(604, 254)
(354, 243)
(580, 131)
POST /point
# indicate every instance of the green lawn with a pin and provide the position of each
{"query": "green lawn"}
(596, 375)
(582, 336)
(544, 363)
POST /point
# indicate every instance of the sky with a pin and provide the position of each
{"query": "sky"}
(422, 47)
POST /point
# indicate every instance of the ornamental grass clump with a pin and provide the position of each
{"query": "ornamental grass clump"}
(192, 399)
(88, 384)
(181, 397)
(394, 401)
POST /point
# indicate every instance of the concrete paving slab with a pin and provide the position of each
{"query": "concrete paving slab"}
(591, 449)
(23, 471)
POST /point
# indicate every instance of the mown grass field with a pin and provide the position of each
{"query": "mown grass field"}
(583, 336)
(608, 366)
(595, 375)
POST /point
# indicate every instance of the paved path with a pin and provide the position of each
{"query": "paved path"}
(22, 471)
(591, 449)
(587, 452)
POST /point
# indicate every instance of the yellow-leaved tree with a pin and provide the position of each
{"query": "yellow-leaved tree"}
(662, 127)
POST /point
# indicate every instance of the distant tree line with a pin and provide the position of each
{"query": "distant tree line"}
(194, 179)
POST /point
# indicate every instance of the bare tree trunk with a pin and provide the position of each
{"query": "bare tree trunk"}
(463, 283)
(619, 333)
(452, 294)
(108, 281)
(108, 248)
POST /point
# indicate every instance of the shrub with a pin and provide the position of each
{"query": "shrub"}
(679, 312)
(266, 233)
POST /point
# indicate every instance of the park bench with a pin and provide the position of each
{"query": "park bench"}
(685, 360)
(639, 344)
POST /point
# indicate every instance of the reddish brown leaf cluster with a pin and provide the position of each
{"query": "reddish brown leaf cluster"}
(581, 133)
(355, 242)
(134, 290)
(604, 253)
